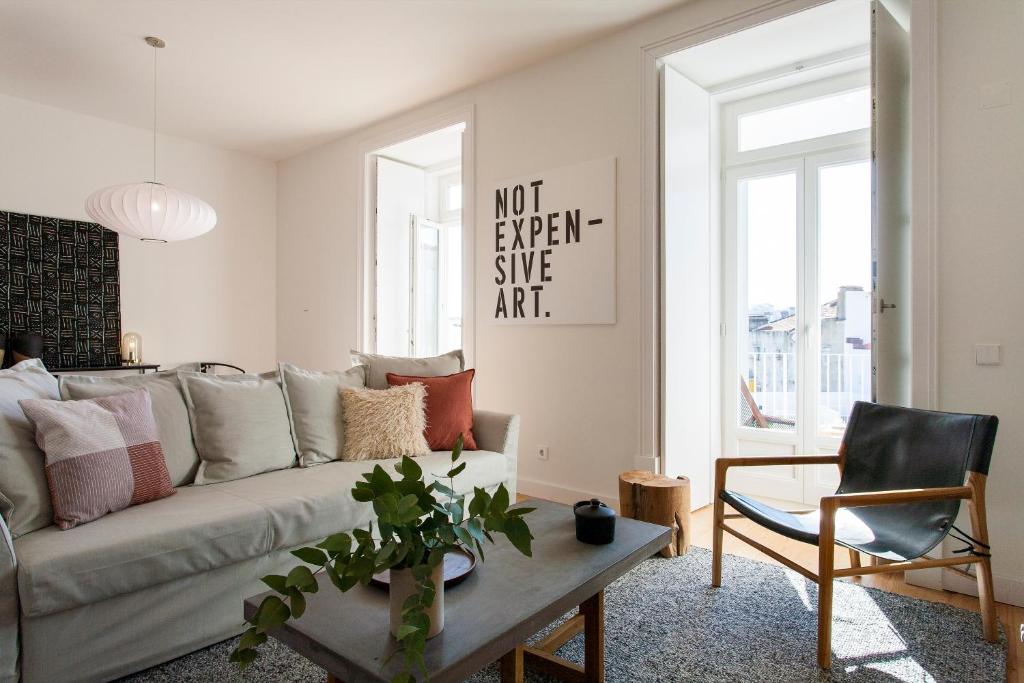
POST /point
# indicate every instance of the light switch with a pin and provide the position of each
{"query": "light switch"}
(987, 354)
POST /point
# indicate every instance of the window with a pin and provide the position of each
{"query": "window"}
(418, 285)
(797, 264)
(806, 119)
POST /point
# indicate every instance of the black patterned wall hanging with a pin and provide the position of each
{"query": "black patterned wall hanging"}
(61, 279)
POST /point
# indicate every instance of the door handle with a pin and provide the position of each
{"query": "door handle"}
(882, 305)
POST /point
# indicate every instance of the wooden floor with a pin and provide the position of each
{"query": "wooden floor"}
(1010, 616)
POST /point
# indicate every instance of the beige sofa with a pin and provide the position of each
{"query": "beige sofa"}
(156, 581)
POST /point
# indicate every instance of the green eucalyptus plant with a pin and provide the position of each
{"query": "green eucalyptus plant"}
(417, 523)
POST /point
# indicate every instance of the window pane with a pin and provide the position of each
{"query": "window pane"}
(768, 280)
(427, 290)
(454, 199)
(804, 120)
(844, 297)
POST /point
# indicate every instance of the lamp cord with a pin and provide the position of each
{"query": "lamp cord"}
(154, 113)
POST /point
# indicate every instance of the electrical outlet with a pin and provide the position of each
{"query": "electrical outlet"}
(542, 452)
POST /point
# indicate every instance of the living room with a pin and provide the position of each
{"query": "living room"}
(615, 343)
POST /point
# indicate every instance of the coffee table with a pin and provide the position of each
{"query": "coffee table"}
(490, 615)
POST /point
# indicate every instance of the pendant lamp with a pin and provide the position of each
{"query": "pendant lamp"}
(151, 211)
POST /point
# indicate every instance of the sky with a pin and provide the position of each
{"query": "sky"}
(845, 234)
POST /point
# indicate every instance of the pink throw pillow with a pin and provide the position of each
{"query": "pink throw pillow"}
(102, 454)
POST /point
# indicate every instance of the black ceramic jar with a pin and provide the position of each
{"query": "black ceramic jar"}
(595, 522)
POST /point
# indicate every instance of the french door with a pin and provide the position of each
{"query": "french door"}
(797, 299)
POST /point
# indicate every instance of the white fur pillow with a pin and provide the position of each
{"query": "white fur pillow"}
(384, 423)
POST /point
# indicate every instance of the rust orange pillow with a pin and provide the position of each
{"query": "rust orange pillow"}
(449, 408)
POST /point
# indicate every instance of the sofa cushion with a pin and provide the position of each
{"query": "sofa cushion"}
(102, 454)
(240, 424)
(305, 505)
(314, 407)
(198, 529)
(378, 367)
(168, 409)
(24, 497)
(381, 424)
(449, 405)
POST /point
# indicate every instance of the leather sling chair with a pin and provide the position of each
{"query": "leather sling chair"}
(902, 477)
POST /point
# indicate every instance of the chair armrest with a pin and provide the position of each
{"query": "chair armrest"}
(759, 461)
(9, 609)
(499, 432)
(722, 465)
(829, 504)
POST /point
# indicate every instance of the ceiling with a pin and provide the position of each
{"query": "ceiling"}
(842, 28)
(275, 77)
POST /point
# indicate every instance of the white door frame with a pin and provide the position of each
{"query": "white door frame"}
(366, 246)
(924, 59)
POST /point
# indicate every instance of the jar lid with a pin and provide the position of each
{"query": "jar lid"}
(593, 509)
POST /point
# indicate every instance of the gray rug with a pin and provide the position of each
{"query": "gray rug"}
(665, 624)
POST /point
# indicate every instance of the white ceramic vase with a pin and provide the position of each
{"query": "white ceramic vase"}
(403, 585)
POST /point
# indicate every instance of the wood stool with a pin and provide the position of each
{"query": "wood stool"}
(661, 500)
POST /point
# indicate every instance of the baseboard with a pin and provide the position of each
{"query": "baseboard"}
(561, 494)
(1008, 589)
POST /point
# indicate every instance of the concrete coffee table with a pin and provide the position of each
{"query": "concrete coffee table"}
(490, 615)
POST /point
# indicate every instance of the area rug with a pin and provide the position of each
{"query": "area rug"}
(665, 624)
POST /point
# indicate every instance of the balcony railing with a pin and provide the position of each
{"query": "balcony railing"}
(844, 379)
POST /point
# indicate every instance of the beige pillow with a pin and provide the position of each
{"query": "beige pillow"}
(169, 411)
(24, 496)
(384, 423)
(378, 367)
(314, 408)
(240, 425)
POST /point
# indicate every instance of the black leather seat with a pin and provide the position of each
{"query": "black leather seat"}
(888, 448)
(902, 480)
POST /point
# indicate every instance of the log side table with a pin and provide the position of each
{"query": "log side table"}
(658, 499)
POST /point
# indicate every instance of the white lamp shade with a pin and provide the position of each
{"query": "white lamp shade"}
(151, 211)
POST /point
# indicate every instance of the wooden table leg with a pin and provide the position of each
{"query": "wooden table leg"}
(512, 666)
(593, 638)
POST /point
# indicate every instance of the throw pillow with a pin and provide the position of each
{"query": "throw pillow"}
(313, 399)
(102, 454)
(377, 367)
(384, 423)
(240, 425)
(169, 411)
(24, 498)
(449, 408)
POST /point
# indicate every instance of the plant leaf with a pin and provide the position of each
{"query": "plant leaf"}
(276, 582)
(519, 534)
(243, 657)
(251, 638)
(499, 503)
(457, 450)
(300, 577)
(456, 471)
(336, 543)
(272, 613)
(405, 630)
(519, 512)
(410, 468)
(311, 555)
(442, 489)
(298, 602)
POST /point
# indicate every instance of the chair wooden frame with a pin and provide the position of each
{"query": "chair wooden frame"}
(973, 491)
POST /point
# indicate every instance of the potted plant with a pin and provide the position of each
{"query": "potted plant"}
(417, 523)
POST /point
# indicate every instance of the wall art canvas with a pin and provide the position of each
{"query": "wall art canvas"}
(552, 244)
(60, 279)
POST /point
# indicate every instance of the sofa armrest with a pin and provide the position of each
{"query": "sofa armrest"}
(10, 647)
(499, 433)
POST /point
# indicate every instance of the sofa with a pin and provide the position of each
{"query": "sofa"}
(155, 581)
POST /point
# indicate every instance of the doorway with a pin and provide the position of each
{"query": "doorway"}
(768, 247)
(415, 294)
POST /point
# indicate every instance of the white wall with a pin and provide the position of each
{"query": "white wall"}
(578, 388)
(980, 248)
(211, 298)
